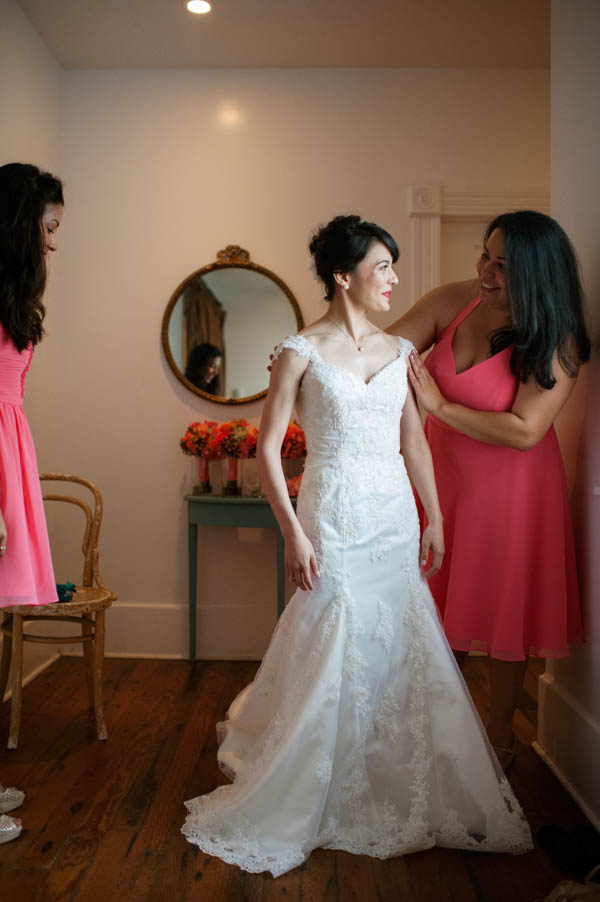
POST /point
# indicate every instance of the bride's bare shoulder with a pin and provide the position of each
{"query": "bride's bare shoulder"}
(317, 333)
(319, 327)
(388, 341)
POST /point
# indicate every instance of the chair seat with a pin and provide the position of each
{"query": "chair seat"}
(86, 598)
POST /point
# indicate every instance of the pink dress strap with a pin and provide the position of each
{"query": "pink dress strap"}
(458, 319)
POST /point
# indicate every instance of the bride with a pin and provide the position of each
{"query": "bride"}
(358, 732)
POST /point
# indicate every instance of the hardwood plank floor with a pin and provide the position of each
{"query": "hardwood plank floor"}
(102, 819)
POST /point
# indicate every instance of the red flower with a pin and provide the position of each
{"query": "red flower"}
(236, 438)
(197, 438)
(294, 441)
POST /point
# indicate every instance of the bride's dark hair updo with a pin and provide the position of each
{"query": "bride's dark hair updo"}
(339, 247)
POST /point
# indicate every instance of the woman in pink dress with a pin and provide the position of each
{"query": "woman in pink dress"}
(506, 353)
(31, 206)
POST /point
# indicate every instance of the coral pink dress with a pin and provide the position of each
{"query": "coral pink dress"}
(26, 574)
(508, 584)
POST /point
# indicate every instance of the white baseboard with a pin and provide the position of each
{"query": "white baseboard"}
(123, 655)
(569, 742)
(591, 815)
(141, 656)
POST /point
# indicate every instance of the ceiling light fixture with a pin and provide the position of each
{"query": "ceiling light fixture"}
(199, 7)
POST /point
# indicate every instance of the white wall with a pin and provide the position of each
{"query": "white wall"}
(158, 181)
(29, 92)
(30, 82)
(569, 728)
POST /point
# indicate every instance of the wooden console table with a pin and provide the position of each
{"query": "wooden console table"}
(227, 510)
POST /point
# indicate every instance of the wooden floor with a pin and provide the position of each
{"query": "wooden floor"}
(102, 820)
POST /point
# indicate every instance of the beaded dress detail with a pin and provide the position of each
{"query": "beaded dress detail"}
(358, 732)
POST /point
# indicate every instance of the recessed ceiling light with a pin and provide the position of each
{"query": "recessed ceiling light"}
(199, 6)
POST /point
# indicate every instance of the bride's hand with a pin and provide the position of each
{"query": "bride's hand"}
(300, 561)
(432, 543)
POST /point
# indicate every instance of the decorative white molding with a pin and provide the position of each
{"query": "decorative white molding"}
(560, 776)
(430, 205)
(424, 211)
(424, 200)
(575, 763)
(468, 205)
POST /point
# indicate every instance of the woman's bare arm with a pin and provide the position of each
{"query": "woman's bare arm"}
(286, 374)
(532, 414)
(419, 466)
(429, 316)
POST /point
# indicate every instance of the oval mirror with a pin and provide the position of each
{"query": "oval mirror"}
(221, 324)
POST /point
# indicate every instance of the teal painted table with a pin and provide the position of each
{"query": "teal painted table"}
(227, 510)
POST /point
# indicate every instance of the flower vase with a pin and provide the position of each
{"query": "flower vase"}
(293, 467)
(231, 484)
(203, 487)
(250, 480)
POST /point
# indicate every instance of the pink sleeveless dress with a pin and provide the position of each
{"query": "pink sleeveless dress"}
(26, 574)
(508, 585)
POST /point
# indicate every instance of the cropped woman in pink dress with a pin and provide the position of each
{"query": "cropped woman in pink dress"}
(31, 206)
(507, 348)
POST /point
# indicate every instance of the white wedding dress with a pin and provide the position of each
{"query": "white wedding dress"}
(358, 732)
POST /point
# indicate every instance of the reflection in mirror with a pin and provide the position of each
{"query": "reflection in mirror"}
(222, 323)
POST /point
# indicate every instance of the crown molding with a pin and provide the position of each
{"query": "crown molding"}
(431, 205)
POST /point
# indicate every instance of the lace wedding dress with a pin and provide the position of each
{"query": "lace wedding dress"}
(358, 732)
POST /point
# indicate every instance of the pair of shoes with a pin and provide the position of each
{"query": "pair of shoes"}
(507, 754)
(10, 828)
(11, 798)
(65, 591)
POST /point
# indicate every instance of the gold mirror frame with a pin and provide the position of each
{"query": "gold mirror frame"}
(232, 257)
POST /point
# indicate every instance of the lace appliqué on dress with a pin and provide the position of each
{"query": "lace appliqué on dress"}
(348, 738)
(385, 625)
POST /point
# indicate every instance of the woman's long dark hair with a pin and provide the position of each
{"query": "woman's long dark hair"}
(24, 193)
(545, 296)
(200, 356)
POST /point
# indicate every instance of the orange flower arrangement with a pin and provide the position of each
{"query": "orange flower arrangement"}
(235, 438)
(294, 441)
(197, 443)
(197, 439)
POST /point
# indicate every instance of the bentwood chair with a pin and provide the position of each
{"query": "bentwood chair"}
(86, 609)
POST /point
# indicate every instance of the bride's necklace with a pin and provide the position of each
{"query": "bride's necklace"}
(358, 344)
